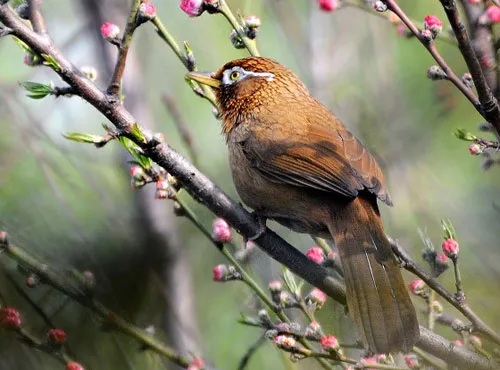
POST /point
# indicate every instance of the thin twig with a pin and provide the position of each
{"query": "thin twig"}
(36, 17)
(182, 125)
(461, 306)
(431, 47)
(116, 79)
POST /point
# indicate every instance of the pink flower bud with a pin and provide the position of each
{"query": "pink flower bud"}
(380, 6)
(252, 21)
(147, 10)
(74, 366)
(193, 8)
(220, 272)
(10, 318)
(314, 327)
(57, 336)
(275, 286)
(433, 24)
(285, 341)
(196, 364)
(161, 194)
(493, 13)
(110, 31)
(316, 254)
(412, 361)
(316, 297)
(137, 172)
(368, 360)
(475, 1)
(162, 184)
(329, 343)
(427, 35)
(328, 5)
(221, 231)
(441, 257)
(450, 247)
(417, 286)
(458, 342)
(475, 149)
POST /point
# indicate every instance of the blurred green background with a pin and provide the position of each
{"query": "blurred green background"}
(72, 204)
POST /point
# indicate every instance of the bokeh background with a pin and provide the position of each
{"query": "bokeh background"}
(72, 204)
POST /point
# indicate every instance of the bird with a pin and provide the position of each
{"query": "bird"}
(293, 161)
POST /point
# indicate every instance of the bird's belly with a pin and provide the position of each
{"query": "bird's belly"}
(289, 205)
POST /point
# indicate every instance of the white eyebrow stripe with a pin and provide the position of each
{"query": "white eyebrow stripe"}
(269, 76)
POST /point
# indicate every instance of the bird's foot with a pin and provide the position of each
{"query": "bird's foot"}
(261, 220)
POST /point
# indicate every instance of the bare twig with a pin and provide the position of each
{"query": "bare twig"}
(36, 17)
(182, 125)
(116, 79)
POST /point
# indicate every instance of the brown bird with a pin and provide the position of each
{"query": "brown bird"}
(293, 161)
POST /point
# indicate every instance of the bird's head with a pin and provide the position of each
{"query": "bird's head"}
(247, 86)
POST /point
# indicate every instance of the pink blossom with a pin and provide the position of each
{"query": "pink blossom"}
(316, 297)
(316, 254)
(220, 272)
(221, 231)
(110, 31)
(493, 13)
(450, 247)
(417, 286)
(475, 149)
(147, 10)
(441, 257)
(74, 366)
(329, 343)
(275, 286)
(10, 318)
(57, 336)
(193, 8)
(328, 5)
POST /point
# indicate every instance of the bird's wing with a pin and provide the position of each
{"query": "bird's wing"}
(324, 158)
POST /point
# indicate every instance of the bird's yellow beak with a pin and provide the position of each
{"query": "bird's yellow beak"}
(204, 79)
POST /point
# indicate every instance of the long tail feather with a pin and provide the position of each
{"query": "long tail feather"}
(376, 293)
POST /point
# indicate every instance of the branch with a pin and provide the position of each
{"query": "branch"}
(460, 305)
(490, 109)
(431, 47)
(78, 290)
(206, 192)
(36, 17)
(116, 80)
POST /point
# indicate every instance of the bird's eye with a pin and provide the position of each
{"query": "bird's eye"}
(235, 75)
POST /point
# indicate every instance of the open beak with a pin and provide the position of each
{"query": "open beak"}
(204, 79)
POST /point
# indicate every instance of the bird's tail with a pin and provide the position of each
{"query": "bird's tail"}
(376, 293)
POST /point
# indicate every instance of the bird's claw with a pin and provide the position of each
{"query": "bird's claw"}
(262, 227)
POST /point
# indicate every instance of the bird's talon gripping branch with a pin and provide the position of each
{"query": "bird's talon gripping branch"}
(262, 227)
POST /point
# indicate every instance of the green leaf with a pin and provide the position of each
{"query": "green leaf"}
(37, 90)
(51, 62)
(449, 230)
(137, 133)
(85, 138)
(463, 134)
(135, 152)
(23, 45)
(290, 282)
